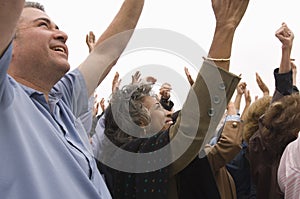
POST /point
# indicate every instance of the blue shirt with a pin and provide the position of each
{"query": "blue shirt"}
(44, 148)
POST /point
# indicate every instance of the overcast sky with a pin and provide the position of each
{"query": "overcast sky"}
(255, 48)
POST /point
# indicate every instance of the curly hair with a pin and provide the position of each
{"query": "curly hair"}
(126, 115)
(282, 122)
(255, 111)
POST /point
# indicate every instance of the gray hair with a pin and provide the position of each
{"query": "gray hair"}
(126, 115)
(30, 4)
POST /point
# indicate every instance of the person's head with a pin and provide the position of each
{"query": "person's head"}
(165, 90)
(134, 111)
(255, 111)
(40, 55)
(281, 121)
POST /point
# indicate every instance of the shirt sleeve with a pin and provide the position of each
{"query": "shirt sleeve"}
(5, 94)
(228, 146)
(74, 93)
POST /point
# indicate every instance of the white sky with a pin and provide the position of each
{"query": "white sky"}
(255, 48)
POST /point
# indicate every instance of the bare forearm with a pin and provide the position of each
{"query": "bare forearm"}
(285, 65)
(10, 11)
(111, 44)
(222, 44)
(126, 19)
(237, 102)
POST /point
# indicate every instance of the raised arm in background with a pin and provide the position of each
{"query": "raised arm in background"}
(111, 44)
(240, 91)
(90, 40)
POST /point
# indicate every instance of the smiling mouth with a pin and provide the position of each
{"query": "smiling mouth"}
(169, 122)
(59, 49)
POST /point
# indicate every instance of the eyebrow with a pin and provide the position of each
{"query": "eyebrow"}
(47, 20)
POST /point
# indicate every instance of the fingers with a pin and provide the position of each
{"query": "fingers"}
(91, 37)
(186, 70)
(115, 82)
(136, 77)
(234, 12)
(90, 40)
(284, 33)
(258, 78)
(241, 88)
(102, 104)
(247, 97)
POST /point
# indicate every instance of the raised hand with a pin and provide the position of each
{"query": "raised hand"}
(286, 37)
(188, 75)
(247, 98)
(102, 105)
(229, 12)
(247, 104)
(116, 82)
(90, 40)
(263, 87)
(241, 88)
(136, 78)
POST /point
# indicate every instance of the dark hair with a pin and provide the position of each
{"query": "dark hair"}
(30, 4)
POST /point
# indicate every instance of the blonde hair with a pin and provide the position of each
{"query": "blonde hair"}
(255, 111)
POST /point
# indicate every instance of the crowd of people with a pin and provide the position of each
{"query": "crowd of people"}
(58, 140)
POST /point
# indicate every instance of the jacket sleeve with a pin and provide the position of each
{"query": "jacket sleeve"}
(228, 146)
(203, 109)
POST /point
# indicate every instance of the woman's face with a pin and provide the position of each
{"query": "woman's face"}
(160, 118)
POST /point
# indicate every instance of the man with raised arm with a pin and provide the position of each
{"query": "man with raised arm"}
(44, 147)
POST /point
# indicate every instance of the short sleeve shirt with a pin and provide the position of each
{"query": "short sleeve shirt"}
(43, 145)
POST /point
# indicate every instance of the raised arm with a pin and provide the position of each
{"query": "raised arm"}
(240, 91)
(261, 84)
(283, 75)
(90, 40)
(10, 11)
(247, 104)
(229, 144)
(188, 76)
(203, 108)
(294, 69)
(228, 15)
(286, 37)
(111, 44)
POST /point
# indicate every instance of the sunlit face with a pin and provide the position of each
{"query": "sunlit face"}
(39, 48)
(160, 118)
